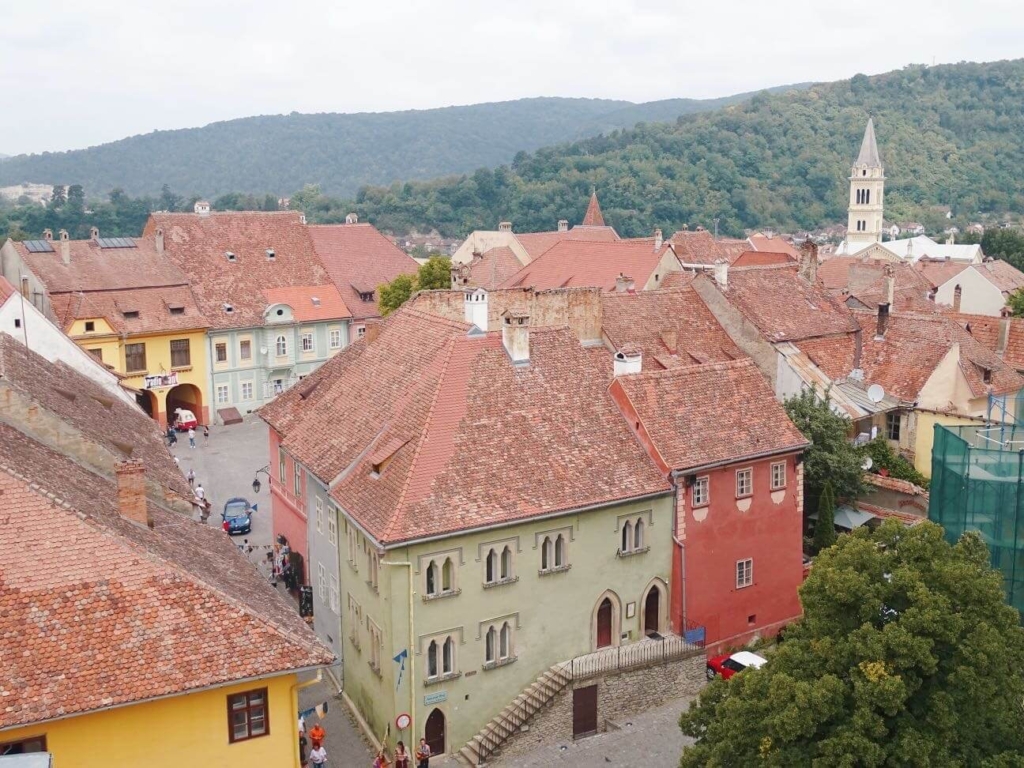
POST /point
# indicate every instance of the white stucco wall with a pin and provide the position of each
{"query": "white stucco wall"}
(977, 297)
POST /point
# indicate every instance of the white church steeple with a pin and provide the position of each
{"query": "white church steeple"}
(867, 184)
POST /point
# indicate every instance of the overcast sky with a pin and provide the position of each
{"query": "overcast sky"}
(77, 74)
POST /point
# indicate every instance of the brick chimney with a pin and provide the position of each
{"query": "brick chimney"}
(657, 240)
(883, 321)
(372, 330)
(94, 233)
(809, 261)
(722, 273)
(505, 226)
(563, 225)
(515, 335)
(65, 247)
(629, 359)
(131, 492)
(159, 240)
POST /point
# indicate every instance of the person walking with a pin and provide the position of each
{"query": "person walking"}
(191, 477)
(317, 733)
(172, 437)
(206, 436)
(200, 493)
(318, 755)
(191, 437)
(401, 756)
(423, 754)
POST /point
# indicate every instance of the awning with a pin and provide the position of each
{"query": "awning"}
(848, 517)
(229, 416)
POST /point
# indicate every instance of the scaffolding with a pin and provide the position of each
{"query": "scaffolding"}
(977, 476)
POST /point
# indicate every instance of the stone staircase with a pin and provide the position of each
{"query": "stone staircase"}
(517, 714)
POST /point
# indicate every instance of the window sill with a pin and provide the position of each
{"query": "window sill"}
(136, 373)
(552, 571)
(633, 552)
(375, 669)
(500, 582)
(441, 679)
(703, 505)
(442, 595)
(181, 368)
(780, 488)
(745, 496)
(488, 666)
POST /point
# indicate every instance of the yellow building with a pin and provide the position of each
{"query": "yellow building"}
(126, 303)
(130, 633)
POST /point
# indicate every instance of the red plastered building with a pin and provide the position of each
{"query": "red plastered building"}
(287, 499)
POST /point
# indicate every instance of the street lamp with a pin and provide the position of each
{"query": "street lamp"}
(256, 484)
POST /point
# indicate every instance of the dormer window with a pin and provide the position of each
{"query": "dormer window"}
(270, 254)
(366, 295)
(316, 301)
(228, 308)
(986, 375)
(132, 314)
(230, 256)
(177, 310)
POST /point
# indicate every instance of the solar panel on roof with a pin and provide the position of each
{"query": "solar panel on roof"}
(38, 246)
(115, 242)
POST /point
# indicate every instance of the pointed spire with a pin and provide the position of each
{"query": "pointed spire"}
(594, 218)
(868, 148)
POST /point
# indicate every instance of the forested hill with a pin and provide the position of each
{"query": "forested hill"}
(340, 153)
(949, 135)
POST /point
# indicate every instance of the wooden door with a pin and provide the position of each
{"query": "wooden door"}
(584, 711)
(652, 611)
(434, 732)
(604, 624)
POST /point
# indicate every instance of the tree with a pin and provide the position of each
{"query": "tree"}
(1015, 301)
(907, 654)
(435, 274)
(396, 293)
(168, 200)
(76, 197)
(831, 456)
(825, 527)
(884, 457)
(58, 196)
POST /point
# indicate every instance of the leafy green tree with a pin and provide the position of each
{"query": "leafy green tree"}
(1005, 244)
(825, 527)
(58, 196)
(76, 197)
(907, 654)
(396, 293)
(168, 200)
(884, 457)
(1015, 301)
(434, 274)
(831, 456)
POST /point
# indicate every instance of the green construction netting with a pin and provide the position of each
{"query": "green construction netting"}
(977, 473)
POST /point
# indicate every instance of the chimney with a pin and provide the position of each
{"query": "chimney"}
(159, 240)
(302, 217)
(657, 240)
(621, 283)
(890, 283)
(809, 261)
(24, 287)
(563, 225)
(883, 321)
(65, 247)
(352, 218)
(858, 347)
(94, 233)
(957, 296)
(131, 492)
(515, 335)
(722, 273)
(202, 207)
(629, 359)
(951, 239)
(476, 308)
(505, 226)
(48, 235)
(1004, 335)
(372, 330)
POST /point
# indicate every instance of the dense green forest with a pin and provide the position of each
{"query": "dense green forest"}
(282, 153)
(950, 137)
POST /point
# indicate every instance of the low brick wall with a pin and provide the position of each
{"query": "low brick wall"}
(619, 695)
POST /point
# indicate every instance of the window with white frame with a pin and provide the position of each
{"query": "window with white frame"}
(281, 346)
(701, 491)
(376, 645)
(744, 573)
(744, 482)
(498, 565)
(334, 338)
(333, 597)
(321, 582)
(319, 515)
(222, 394)
(632, 537)
(441, 660)
(307, 342)
(360, 331)
(498, 644)
(332, 526)
(553, 553)
(246, 390)
(892, 425)
(778, 475)
(439, 577)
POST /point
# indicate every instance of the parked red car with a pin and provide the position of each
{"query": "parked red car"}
(729, 664)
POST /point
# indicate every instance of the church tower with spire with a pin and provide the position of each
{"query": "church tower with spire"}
(867, 183)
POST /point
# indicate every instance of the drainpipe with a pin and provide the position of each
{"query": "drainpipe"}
(294, 698)
(412, 654)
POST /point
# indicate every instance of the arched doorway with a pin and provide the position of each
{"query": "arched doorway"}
(185, 396)
(604, 624)
(652, 612)
(147, 402)
(606, 621)
(435, 732)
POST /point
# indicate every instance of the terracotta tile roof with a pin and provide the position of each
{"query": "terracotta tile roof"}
(90, 410)
(784, 306)
(706, 414)
(1003, 275)
(359, 258)
(672, 327)
(491, 269)
(915, 344)
(677, 279)
(986, 330)
(938, 271)
(699, 247)
(731, 248)
(832, 354)
(834, 273)
(761, 242)
(893, 484)
(198, 245)
(97, 611)
(310, 303)
(573, 263)
(92, 268)
(171, 308)
(762, 258)
(6, 289)
(488, 442)
(538, 243)
(593, 216)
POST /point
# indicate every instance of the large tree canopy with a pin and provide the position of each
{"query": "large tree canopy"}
(907, 654)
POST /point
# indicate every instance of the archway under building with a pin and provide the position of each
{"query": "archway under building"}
(148, 402)
(185, 396)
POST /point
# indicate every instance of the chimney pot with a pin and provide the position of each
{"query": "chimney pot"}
(890, 283)
(505, 226)
(515, 335)
(202, 207)
(476, 308)
(48, 235)
(657, 239)
(722, 273)
(302, 217)
(629, 359)
(563, 225)
(159, 240)
(94, 233)
(24, 286)
(131, 492)
(65, 247)
(352, 218)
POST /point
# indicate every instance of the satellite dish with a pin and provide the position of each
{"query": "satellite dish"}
(876, 393)
(867, 463)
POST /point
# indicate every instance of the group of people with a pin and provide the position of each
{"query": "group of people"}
(317, 752)
(172, 436)
(423, 755)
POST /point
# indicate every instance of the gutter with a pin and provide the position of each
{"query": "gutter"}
(737, 459)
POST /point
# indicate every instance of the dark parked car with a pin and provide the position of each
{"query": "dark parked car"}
(237, 516)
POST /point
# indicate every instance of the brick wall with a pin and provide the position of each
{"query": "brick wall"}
(619, 696)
